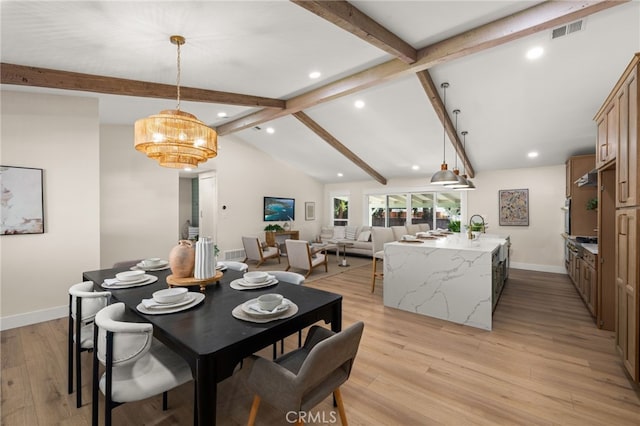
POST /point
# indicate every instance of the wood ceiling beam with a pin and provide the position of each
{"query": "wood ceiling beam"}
(351, 19)
(521, 24)
(339, 146)
(55, 79)
(434, 97)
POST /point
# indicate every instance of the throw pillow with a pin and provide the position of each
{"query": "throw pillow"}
(350, 232)
(364, 236)
(338, 232)
(263, 245)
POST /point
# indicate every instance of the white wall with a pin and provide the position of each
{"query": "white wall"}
(139, 201)
(245, 175)
(185, 205)
(60, 135)
(538, 246)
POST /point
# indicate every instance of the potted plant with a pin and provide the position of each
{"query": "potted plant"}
(592, 204)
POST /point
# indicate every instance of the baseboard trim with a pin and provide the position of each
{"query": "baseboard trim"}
(20, 320)
(539, 268)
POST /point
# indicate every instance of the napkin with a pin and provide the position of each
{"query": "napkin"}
(114, 282)
(256, 307)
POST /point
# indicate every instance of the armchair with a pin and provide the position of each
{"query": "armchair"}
(301, 379)
(253, 251)
(299, 256)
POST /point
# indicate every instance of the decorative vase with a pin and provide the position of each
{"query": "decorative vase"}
(182, 259)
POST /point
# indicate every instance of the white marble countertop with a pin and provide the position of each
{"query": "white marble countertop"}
(457, 242)
(593, 248)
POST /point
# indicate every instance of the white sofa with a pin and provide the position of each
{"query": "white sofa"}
(359, 236)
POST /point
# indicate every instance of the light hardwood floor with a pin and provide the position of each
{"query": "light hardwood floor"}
(545, 362)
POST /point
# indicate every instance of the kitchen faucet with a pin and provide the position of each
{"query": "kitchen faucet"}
(482, 228)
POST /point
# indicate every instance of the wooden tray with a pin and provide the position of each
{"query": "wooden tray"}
(190, 281)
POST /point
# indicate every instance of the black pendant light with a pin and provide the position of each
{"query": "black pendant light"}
(444, 176)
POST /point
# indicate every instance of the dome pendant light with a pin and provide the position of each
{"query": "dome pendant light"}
(471, 186)
(462, 182)
(444, 176)
(176, 138)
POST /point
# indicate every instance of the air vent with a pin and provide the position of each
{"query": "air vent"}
(234, 254)
(567, 29)
(257, 128)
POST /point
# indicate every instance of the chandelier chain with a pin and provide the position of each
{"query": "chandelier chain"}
(178, 77)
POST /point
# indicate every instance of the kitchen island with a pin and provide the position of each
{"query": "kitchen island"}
(450, 278)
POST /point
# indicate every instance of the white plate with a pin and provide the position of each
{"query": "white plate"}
(246, 308)
(197, 298)
(270, 280)
(237, 286)
(148, 280)
(188, 298)
(161, 267)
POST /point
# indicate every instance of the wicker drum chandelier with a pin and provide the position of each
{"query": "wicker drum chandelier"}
(176, 138)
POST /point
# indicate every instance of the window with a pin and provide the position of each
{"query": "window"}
(438, 209)
(340, 211)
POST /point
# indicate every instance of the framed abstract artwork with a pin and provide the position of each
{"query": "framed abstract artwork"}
(513, 207)
(310, 210)
(22, 201)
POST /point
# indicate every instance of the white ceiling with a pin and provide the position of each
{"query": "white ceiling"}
(509, 105)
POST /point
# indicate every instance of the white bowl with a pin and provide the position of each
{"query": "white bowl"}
(255, 277)
(151, 262)
(129, 276)
(170, 295)
(270, 301)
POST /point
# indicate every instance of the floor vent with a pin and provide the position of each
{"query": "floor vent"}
(567, 29)
(234, 254)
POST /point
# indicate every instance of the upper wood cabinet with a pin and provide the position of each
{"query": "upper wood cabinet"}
(607, 140)
(627, 163)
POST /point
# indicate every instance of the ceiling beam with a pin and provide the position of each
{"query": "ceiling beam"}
(55, 79)
(351, 19)
(521, 24)
(339, 146)
(432, 93)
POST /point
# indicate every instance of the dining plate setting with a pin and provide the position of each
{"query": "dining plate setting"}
(242, 284)
(152, 307)
(114, 283)
(160, 265)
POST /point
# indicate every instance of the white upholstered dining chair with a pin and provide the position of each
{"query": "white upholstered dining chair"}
(299, 256)
(379, 236)
(235, 266)
(137, 366)
(301, 379)
(84, 303)
(253, 250)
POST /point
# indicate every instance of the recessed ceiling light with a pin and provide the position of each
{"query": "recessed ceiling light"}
(314, 74)
(532, 154)
(535, 52)
(222, 114)
(187, 169)
(270, 130)
(340, 175)
(359, 104)
(415, 167)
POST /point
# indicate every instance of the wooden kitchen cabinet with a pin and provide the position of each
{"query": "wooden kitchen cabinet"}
(588, 280)
(607, 140)
(626, 279)
(627, 162)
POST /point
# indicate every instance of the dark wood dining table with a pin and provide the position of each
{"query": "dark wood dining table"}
(209, 338)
